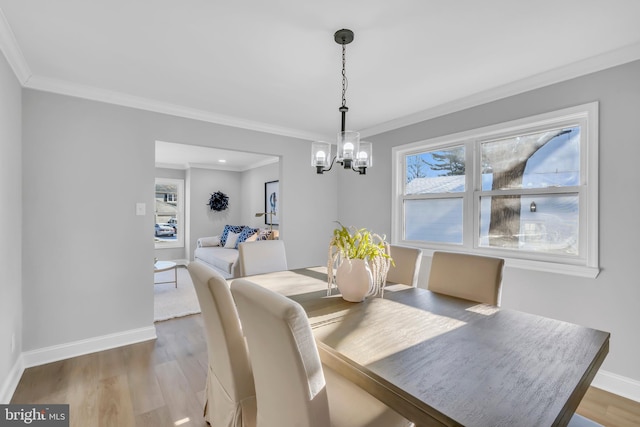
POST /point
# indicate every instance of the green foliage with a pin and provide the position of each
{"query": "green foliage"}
(353, 243)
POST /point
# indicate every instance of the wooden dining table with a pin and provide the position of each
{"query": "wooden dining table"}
(444, 361)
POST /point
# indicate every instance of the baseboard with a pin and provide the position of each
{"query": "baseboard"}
(8, 387)
(91, 345)
(181, 262)
(617, 384)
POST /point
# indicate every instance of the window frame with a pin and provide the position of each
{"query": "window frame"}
(586, 264)
(180, 205)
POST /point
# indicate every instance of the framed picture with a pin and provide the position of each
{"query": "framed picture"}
(272, 202)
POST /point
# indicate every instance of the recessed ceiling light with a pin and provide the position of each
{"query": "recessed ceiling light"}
(222, 161)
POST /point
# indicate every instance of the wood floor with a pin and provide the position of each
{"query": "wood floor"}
(161, 383)
(155, 383)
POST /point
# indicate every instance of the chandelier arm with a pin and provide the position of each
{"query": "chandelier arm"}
(362, 170)
(320, 169)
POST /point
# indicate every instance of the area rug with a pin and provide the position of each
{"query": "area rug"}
(169, 301)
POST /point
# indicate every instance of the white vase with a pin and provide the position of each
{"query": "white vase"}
(354, 279)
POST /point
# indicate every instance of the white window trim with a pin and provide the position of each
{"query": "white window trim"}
(586, 266)
(179, 242)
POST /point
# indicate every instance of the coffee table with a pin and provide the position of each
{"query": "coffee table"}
(161, 266)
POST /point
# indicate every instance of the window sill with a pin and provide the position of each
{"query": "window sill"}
(552, 267)
(168, 245)
(547, 267)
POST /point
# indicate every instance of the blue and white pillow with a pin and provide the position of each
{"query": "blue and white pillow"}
(245, 234)
(225, 233)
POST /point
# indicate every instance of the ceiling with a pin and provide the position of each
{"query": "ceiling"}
(181, 156)
(274, 66)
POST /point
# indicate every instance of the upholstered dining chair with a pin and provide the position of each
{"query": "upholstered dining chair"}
(262, 256)
(230, 399)
(293, 388)
(407, 262)
(471, 277)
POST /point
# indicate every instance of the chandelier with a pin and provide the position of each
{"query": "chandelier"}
(351, 153)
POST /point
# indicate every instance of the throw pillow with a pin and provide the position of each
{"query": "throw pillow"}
(264, 234)
(225, 233)
(245, 234)
(232, 239)
(208, 241)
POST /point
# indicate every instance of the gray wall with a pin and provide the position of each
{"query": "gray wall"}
(252, 187)
(203, 221)
(609, 302)
(11, 311)
(78, 285)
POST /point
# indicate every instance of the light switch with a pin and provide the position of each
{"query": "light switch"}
(141, 209)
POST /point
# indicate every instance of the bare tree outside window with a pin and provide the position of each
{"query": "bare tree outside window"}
(506, 161)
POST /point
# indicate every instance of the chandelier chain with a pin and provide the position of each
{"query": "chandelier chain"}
(344, 76)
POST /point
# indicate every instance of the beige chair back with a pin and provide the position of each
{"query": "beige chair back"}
(293, 387)
(407, 265)
(262, 256)
(230, 393)
(471, 277)
(290, 383)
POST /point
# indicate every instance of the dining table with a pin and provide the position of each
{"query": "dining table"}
(444, 361)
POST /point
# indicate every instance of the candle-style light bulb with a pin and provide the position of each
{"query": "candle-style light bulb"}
(348, 150)
(363, 158)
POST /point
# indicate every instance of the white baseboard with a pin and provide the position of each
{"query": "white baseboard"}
(617, 384)
(8, 387)
(91, 345)
(181, 262)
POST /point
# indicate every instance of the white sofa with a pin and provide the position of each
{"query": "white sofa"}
(223, 260)
(221, 254)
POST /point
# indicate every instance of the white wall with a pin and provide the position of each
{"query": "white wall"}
(11, 219)
(609, 302)
(79, 286)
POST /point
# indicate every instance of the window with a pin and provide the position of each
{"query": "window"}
(169, 212)
(525, 190)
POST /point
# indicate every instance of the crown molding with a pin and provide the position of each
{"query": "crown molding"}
(587, 66)
(118, 98)
(221, 167)
(11, 50)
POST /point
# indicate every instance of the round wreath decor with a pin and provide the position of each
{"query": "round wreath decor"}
(218, 201)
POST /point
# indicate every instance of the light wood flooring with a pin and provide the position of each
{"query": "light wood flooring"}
(161, 383)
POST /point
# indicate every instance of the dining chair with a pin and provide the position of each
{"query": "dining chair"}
(471, 277)
(230, 397)
(262, 256)
(407, 262)
(293, 388)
